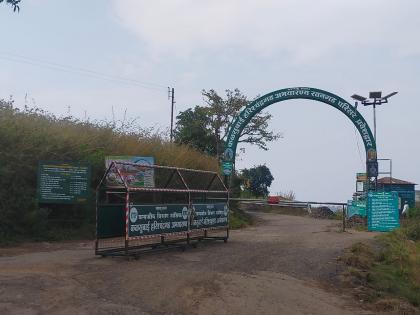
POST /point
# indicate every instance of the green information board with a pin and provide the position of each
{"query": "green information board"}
(63, 182)
(382, 211)
(355, 207)
(210, 215)
(147, 220)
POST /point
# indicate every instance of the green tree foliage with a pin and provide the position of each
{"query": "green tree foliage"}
(257, 180)
(13, 3)
(214, 119)
(193, 128)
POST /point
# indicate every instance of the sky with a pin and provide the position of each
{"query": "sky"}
(104, 59)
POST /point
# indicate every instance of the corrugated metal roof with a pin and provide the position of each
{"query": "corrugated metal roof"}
(396, 181)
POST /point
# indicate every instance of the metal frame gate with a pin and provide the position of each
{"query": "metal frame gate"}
(142, 207)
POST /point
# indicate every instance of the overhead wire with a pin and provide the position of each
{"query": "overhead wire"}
(78, 70)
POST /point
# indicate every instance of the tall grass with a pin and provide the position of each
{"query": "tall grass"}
(30, 135)
(393, 267)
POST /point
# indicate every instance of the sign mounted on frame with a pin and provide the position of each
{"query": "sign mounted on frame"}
(382, 211)
(135, 176)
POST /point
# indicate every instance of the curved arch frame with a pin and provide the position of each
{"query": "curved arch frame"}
(331, 99)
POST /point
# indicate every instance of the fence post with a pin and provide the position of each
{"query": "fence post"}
(344, 218)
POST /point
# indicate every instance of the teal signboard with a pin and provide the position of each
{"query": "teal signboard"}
(382, 211)
(227, 168)
(355, 207)
(210, 216)
(147, 220)
(152, 220)
(63, 182)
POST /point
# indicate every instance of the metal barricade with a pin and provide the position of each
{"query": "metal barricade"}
(142, 207)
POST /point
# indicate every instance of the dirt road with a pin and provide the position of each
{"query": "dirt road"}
(283, 265)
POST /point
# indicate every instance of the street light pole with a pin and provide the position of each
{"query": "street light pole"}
(375, 98)
(374, 122)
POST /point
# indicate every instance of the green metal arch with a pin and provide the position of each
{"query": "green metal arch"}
(335, 101)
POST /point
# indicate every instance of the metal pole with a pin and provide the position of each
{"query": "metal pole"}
(344, 218)
(172, 112)
(374, 122)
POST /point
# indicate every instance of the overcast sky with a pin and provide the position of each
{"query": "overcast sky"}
(344, 47)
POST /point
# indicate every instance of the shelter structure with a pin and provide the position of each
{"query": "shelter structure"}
(144, 207)
(405, 189)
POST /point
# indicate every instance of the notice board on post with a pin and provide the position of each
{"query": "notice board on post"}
(356, 207)
(63, 182)
(382, 211)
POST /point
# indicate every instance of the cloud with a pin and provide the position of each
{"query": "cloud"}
(303, 30)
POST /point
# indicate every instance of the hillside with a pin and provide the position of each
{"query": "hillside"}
(30, 135)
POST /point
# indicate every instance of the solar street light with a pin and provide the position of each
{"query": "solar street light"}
(358, 98)
(389, 95)
(375, 98)
(375, 94)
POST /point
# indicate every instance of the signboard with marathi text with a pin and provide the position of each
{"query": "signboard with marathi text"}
(149, 220)
(155, 220)
(63, 182)
(382, 211)
(210, 216)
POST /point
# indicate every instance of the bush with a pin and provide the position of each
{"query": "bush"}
(414, 213)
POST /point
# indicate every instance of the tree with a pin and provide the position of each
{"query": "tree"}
(217, 115)
(257, 180)
(193, 128)
(13, 3)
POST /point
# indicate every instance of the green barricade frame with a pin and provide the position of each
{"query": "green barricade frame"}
(143, 207)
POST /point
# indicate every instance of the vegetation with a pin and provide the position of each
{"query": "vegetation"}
(205, 127)
(391, 269)
(256, 180)
(13, 3)
(238, 218)
(30, 135)
(191, 130)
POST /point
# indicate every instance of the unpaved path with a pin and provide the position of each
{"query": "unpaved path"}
(283, 265)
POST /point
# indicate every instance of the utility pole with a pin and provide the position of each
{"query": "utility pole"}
(171, 96)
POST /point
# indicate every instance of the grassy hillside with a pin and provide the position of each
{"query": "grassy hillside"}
(390, 268)
(30, 135)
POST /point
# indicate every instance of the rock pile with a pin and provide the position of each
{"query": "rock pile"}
(321, 212)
